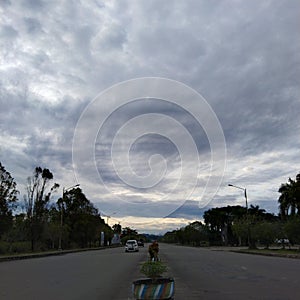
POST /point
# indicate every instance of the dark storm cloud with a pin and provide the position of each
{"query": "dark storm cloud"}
(8, 32)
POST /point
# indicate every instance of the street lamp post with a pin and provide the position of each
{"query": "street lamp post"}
(61, 213)
(245, 194)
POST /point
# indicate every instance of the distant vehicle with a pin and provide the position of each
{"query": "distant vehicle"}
(141, 243)
(131, 246)
(282, 241)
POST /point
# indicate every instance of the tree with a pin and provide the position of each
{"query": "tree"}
(265, 232)
(194, 234)
(292, 229)
(289, 200)
(53, 229)
(234, 224)
(8, 199)
(117, 228)
(170, 237)
(220, 220)
(18, 231)
(240, 228)
(81, 218)
(37, 202)
(128, 234)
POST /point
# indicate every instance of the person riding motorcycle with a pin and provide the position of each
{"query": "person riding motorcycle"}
(153, 251)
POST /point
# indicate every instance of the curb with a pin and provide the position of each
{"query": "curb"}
(54, 253)
(295, 256)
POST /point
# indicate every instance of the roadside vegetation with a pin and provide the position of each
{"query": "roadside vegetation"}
(35, 222)
(253, 227)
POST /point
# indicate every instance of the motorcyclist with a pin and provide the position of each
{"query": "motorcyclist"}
(153, 251)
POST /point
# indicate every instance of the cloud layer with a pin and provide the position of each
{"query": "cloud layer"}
(243, 57)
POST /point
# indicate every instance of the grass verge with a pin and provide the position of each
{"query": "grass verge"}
(289, 253)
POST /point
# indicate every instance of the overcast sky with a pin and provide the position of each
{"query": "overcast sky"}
(151, 105)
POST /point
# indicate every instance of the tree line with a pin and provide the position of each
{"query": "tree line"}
(237, 225)
(73, 221)
(70, 222)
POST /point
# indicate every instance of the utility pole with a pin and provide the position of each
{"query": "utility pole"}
(61, 213)
(247, 218)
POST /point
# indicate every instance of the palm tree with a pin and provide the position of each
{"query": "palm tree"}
(289, 200)
(255, 210)
(284, 203)
(295, 195)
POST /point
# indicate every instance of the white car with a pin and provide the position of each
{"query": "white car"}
(131, 246)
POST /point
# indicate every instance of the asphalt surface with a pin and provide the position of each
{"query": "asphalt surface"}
(207, 274)
(102, 274)
(199, 273)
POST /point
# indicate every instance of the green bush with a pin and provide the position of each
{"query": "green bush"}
(153, 269)
(20, 247)
(14, 247)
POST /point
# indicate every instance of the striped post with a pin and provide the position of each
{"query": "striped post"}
(161, 288)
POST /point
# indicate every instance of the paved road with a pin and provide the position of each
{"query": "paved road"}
(108, 274)
(93, 275)
(204, 274)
